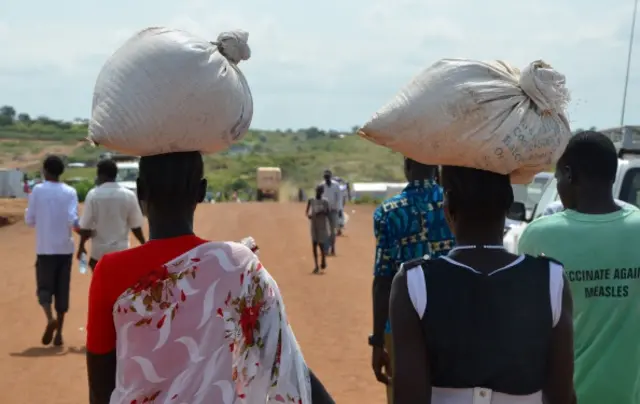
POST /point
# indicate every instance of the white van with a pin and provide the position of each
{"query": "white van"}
(529, 196)
(128, 174)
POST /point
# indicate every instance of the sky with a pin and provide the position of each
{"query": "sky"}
(329, 63)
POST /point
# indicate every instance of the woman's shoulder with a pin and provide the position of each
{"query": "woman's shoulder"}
(232, 256)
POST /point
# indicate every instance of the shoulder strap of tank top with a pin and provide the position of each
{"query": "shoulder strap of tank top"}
(416, 284)
(556, 287)
(417, 287)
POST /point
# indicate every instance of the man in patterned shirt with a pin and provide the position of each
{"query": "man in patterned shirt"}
(406, 226)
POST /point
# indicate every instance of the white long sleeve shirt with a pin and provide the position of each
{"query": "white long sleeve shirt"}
(53, 211)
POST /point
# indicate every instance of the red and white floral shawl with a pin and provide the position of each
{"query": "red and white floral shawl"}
(207, 327)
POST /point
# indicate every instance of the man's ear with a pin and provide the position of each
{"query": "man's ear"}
(449, 216)
(568, 174)
(140, 190)
(202, 190)
(142, 195)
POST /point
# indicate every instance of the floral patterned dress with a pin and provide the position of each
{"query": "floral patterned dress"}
(207, 327)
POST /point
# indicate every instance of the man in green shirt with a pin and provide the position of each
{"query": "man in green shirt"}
(598, 242)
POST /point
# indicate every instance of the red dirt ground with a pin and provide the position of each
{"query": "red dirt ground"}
(11, 211)
(330, 314)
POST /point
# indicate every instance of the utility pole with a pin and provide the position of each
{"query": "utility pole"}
(626, 79)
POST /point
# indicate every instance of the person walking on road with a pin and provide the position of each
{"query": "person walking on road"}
(407, 226)
(333, 194)
(110, 212)
(344, 189)
(481, 325)
(53, 211)
(597, 241)
(318, 214)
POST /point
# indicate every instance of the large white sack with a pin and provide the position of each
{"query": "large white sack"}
(484, 115)
(169, 91)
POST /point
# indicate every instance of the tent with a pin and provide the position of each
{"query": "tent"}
(11, 183)
(376, 190)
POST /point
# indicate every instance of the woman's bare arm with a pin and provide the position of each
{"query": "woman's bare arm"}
(101, 371)
(559, 387)
(411, 376)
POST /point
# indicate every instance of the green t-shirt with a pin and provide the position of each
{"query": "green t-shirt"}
(601, 257)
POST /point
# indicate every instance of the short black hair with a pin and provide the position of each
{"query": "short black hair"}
(477, 195)
(53, 165)
(108, 169)
(418, 169)
(591, 156)
(172, 181)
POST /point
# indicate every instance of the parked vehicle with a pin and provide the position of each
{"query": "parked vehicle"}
(128, 174)
(268, 182)
(528, 195)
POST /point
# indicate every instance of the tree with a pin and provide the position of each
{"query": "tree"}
(238, 184)
(24, 118)
(8, 111)
(313, 132)
(44, 120)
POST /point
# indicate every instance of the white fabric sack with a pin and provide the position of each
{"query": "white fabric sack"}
(484, 115)
(342, 222)
(168, 91)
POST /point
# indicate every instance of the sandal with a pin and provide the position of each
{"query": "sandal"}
(52, 326)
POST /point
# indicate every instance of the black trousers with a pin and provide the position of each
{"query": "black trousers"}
(53, 280)
(92, 263)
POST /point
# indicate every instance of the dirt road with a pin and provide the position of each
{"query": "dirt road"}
(331, 314)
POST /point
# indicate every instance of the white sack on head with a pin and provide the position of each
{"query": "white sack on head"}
(168, 91)
(480, 115)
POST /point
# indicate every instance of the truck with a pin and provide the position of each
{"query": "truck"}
(625, 188)
(268, 183)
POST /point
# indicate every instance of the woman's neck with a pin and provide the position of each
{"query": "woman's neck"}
(162, 226)
(477, 236)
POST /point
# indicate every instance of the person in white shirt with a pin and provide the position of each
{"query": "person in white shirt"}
(333, 194)
(53, 211)
(557, 206)
(110, 211)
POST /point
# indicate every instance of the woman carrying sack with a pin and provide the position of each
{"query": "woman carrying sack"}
(182, 319)
(480, 325)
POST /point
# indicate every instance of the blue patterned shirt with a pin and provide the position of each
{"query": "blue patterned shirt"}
(410, 225)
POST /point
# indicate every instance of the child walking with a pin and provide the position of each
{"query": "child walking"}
(318, 214)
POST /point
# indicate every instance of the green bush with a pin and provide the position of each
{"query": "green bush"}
(368, 200)
(83, 188)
